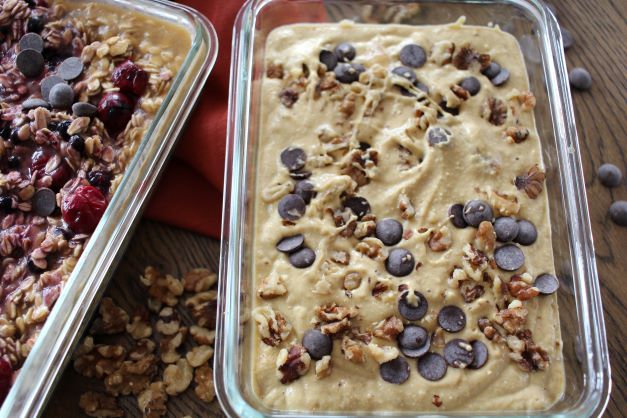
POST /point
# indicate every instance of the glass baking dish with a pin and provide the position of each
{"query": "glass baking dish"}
(89, 278)
(530, 21)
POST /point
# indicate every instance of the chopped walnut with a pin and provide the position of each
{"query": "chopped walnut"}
(442, 52)
(382, 354)
(494, 111)
(177, 377)
(199, 280)
(336, 327)
(526, 99)
(102, 360)
(203, 307)
(323, 367)
(380, 287)
(274, 70)
(437, 401)
(438, 339)
(365, 229)
(168, 345)
(521, 290)
(333, 312)
(531, 182)
(142, 348)
(139, 327)
(389, 328)
(162, 289)
(513, 319)
(352, 280)
(272, 325)
(372, 248)
(203, 377)
(199, 355)
(353, 350)
(168, 323)
(288, 97)
(440, 240)
(202, 335)
(516, 134)
(460, 92)
(471, 291)
(152, 401)
(347, 106)
(485, 237)
(99, 405)
(271, 287)
(526, 353)
(340, 257)
(467, 56)
(504, 204)
(489, 330)
(132, 376)
(406, 207)
(112, 319)
(292, 363)
(475, 262)
(458, 276)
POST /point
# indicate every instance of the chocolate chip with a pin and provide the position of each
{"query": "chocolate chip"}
(501, 78)
(580, 79)
(292, 207)
(406, 73)
(33, 267)
(437, 135)
(61, 96)
(345, 52)
(610, 175)
(452, 110)
(618, 212)
(300, 175)
(527, 233)
(44, 202)
(348, 73)
(395, 371)
(452, 318)
(458, 353)
(306, 190)
(303, 258)
(413, 55)
(567, 38)
(546, 283)
(30, 62)
(471, 84)
(31, 41)
(48, 83)
(13, 162)
(317, 344)
(71, 68)
(6, 204)
(35, 23)
(291, 244)
(34, 104)
(456, 215)
(359, 205)
(84, 109)
(492, 70)
(409, 311)
(400, 262)
(293, 158)
(506, 229)
(329, 59)
(389, 231)
(480, 351)
(477, 211)
(414, 341)
(509, 257)
(432, 366)
(77, 142)
(364, 146)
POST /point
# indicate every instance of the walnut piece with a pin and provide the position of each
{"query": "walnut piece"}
(474, 262)
(437, 401)
(169, 344)
(513, 319)
(139, 327)
(442, 52)
(504, 204)
(203, 377)
(177, 377)
(334, 312)
(272, 325)
(271, 287)
(203, 307)
(494, 111)
(521, 290)
(382, 354)
(352, 280)
(340, 257)
(532, 182)
(406, 207)
(323, 367)
(372, 248)
(168, 323)
(99, 405)
(440, 240)
(389, 328)
(112, 319)
(152, 401)
(202, 335)
(471, 291)
(516, 134)
(353, 350)
(142, 348)
(485, 237)
(199, 355)
(288, 97)
(132, 376)
(101, 361)
(292, 363)
(526, 353)
(199, 280)
(274, 70)
(467, 56)
(162, 289)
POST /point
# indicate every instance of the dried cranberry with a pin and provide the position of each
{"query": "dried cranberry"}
(83, 209)
(130, 78)
(60, 174)
(6, 375)
(100, 179)
(39, 160)
(115, 110)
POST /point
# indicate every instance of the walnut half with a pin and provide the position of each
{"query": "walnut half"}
(293, 363)
(99, 405)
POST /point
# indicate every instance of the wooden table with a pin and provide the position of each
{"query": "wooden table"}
(600, 30)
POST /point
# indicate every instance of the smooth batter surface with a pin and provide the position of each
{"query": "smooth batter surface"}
(476, 162)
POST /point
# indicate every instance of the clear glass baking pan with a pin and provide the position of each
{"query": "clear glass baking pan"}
(88, 281)
(530, 21)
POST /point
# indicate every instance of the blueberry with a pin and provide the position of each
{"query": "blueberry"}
(509, 257)
(306, 190)
(292, 207)
(5, 133)
(580, 79)
(389, 231)
(400, 262)
(395, 371)
(413, 55)
(100, 179)
(610, 175)
(506, 229)
(329, 59)
(317, 344)
(414, 341)
(345, 52)
(13, 162)
(527, 233)
(618, 212)
(77, 142)
(456, 215)
(32, 267)
(452, 318)
(62, 128)
(15, 135)
(471, 84)
(477, 211)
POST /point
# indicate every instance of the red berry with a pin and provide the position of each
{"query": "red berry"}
(6, 375)
(83, 209)
(115, 110)
(39, 160)
(130, 78)
(60, 172)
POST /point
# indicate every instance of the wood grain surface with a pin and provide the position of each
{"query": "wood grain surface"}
(600, 30)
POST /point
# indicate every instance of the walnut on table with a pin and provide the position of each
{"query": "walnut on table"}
(99, 405)
(203, 377)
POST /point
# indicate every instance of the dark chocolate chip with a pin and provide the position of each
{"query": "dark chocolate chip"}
(364, 146)
(306, 190)
(477, 211)
(317, 344)
(546, 283)
(567, 38)
(329, 59)
(293, 158)
(62, 128)
(300, 175)
(437, 135)
(527, 233)
(610, 175)
(84, 109)
(480, 351)
(44, 202)
(359, 205)
(61, 96)
(452, 110)
(71, 68)
(32, 41)
(292, 207)
(34, 104)
(471, 84)
(291, 244)
(506, 229)
(458, 353)
(389, 231)
(492, 70)
(395, 371)
(30, 62)
(452, 318)
(348, 73)
(580, 79)
(409, 311)
(501, 78)
(48, 83)
(6, 204)
(618, 212)
(5, 133)
(413, 55)
(432, 366)
(35, 23)
(509, 257)
(456, 215)
(77, 142)
(13, 162)
(303, 258)
(400, 262)
(406, 73)
(345, 52)
(414, 341)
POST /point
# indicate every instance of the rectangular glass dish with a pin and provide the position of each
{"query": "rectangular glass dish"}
(585, 354)
(145, 146)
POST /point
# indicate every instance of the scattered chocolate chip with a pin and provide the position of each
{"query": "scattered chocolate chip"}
(409, 311)
(432, 366)
(506, 229)
(580, 79)
(414, 341)
(300, 175)
(84, 109)
(306, 190)
(501, 78)
(400, 262)
(395, 371)
(34, 104)
(452, 110)
(291, 244)
(303, 258)
(61, 96)
(292, 207)
(48, 83)
(567, 38)
(509, 257)
(71, 68)
(359, 205)
(480, 351)
(345, 52)
(348, 73)
(389, 231)
(477, 211)
(610, 175)
(30, 62)
(293, 158)
(413, 55)
(491, 70)
(364, 146)
(471, 84)
(452, 318)
(406, 73)
(456, 215)
(329, 59)
(31, 41)
(62, 128)
(44, 202)
(618, 212)
(437, 135)
(458, 353)
(317, 344)
(546, 283)
(527, 233)
(35, 23)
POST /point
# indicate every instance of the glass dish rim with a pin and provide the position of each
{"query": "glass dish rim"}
(569, 163)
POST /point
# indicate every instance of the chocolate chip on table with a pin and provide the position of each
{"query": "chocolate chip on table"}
(400, 262)
(437, 135)
(61, 96)
(389, 231)
(456, 215)
(414, 341)
(345, 52)
(306, 190)
(395, 371)
(413, 55)
(501, 78)
(44, 202)
(618, 212)
(32, 41)
(290, 244)
(359, 205)
(34, 104)
(317, 344)
(458, 353)
(48, 83)
(30, 62)
(302, 258)
(506, 229)
(292, 207)
(509, 257)
(452, 318)
(477, 211)
(610, 175)
(546, 283)
(71, 68)
(406, 73)
(84, 109)
(348, 73)
(293, 158)
(580, 79)
(409, 311)
(432, 366)
(527, 233)
(471, 84)
(492, 70)
(480, 351)
(300, 175)
(329, 59)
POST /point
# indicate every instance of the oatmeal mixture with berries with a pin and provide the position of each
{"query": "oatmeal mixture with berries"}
(402, 250)
(79, 86)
